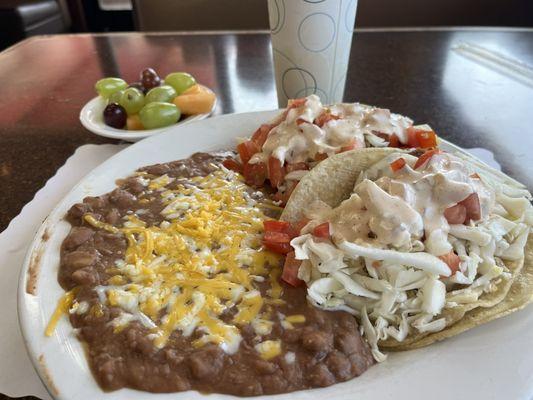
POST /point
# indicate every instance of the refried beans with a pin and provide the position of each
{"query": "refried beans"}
(315, 349)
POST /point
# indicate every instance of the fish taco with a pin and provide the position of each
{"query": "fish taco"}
(419, 246)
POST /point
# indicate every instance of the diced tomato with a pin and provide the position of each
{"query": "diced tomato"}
(464, 211)
(276, 226)
(276, 172)
(234, 165)
(320, 156)
(324, 118)
(295, 229)
(426, 139)
(398, 164)
(452, 260)
(292, 103)
(255, 174)
(412, 139)
(351, 145)
(394, 141)
(261, 134)
(421, 138)
(290, 270)
(297, 167)
(295, 103)
(276, 237)
(322, 230)
(425, 157)
(247, 150)
(473, 208)
(455, 214)
(278, 242)
(280, 248)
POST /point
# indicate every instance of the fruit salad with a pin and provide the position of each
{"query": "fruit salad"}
(153, 102)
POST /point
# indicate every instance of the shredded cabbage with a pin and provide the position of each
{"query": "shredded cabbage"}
(386, 262)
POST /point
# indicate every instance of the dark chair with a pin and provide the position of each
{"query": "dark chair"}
(24, 18)
(192, 15)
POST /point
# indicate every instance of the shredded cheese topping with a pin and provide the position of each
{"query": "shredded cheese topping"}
(197, 272)
(63, 306)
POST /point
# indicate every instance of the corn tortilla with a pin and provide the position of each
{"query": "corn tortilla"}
(332, 182)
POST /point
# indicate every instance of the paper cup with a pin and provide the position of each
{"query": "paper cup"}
(311, 41)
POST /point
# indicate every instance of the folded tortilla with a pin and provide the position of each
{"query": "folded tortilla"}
(332, 181)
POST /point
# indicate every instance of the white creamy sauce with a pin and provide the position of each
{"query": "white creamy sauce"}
(297, 139)
(382, 262)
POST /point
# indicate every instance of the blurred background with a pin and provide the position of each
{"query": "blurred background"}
(20, 19)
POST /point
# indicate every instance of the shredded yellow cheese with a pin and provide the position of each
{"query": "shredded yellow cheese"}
(200, 262)
(295, 319)
(63, 305)
(268, 349)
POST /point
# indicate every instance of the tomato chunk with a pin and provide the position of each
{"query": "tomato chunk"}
(412, 139)
(320, 156)
(278, 242)
(261, 134)
(466, 210)
(297, 167)
(452, 260)
(322, 230)
(397, 164)
(473, 208)
(290, 270)
(276, 172)
(280, 248)
(295, 103)
(394, 141)
(234, 165)
(426, 139)
(276, 226)
(247, 150)
(421, 138)
(324, 118)
(255, 174)
(425, 157)
(455, 214)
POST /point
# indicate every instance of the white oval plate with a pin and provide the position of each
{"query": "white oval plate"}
(492, 361)
(92, 119)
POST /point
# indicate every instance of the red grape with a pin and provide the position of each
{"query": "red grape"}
(150, 83)
(149, 78)
(115, 116)
(148, 73)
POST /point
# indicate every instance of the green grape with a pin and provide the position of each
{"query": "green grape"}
(132, 100)
(163, 93)
(115, 97)
(180, 81)
(159, 114)
(107, 86)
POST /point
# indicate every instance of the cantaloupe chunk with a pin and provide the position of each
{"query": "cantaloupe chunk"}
(133, 123)
(194, 89)
(195, 100)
